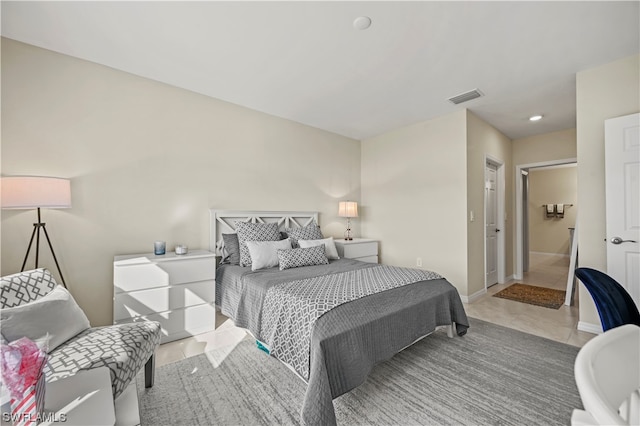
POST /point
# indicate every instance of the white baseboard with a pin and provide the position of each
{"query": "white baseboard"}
(509, 278)
(589, 327)
(475, 296)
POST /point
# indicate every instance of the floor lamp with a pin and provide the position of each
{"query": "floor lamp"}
(35, 192)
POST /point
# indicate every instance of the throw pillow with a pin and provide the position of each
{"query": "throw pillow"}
(56, 314)
(264, 254)
(309, 232)
(230, 249)
(254, 232)
(329, 246)
(296, 258)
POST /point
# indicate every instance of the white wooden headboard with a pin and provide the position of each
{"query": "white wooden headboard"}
(224, 221)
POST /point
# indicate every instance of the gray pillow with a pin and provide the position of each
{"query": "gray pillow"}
(254, 232)
(55, 315)
(264, 254)
(296, 258)
(309, 232)
(329, 246)
(231, 250)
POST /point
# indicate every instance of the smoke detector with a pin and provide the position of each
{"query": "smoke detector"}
(362, 23)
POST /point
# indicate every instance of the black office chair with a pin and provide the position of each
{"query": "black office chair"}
(614, 304)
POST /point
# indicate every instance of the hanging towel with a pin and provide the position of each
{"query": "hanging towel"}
(550, 210)
(560, 210)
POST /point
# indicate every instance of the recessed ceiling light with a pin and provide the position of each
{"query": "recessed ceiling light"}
(362, 23)
(535, 118)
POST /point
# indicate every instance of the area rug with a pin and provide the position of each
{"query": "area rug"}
(533, 295)
(492, 375)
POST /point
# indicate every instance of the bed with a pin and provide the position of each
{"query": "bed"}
(330, 323)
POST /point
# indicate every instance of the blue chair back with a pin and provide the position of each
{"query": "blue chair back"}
(614, 304)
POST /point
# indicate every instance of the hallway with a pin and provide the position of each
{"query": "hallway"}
(545, 270)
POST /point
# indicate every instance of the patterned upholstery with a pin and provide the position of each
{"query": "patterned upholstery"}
(25, 287)
(309, 232)
(302, 257)
(123, 348)
(248, 231)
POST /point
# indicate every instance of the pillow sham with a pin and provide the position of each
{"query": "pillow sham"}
(309, 232)
(264, 254)
(296, 258)
(55, 314)
(230, 249)
(254, 232)
(329, 246)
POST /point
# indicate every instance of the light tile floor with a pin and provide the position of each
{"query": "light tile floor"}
(545, 271)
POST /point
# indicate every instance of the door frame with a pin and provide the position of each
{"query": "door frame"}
(500, 196)
(518, 273)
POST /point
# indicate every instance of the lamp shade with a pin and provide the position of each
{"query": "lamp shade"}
(348, 209)
(30, 192)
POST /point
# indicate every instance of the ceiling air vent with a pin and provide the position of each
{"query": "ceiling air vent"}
(466, 96)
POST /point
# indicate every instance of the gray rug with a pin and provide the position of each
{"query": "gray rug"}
(491, 376)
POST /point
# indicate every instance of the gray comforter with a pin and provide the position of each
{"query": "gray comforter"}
(350, 339)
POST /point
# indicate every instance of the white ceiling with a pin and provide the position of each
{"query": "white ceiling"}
(304, 61)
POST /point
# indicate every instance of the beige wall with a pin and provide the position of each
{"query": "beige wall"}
(552, 186)
(546, 147)
(484, 140)
(414, 196)
(419, 184)
(604, 92)
(146, 162)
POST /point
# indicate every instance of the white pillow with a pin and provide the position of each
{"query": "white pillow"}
(264, 254)
(56, 314)
(329, 246)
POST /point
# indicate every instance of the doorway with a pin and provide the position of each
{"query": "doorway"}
(494, 207)
(555, 227)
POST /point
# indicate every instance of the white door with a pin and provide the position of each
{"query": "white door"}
(622, 165)
(491, 224)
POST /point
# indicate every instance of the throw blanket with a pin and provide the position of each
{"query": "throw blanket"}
(292, 308)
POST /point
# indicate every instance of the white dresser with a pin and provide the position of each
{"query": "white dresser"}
(362, 249)
(178, 291)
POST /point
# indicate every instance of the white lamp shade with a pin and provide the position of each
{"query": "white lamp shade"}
(30, 192)
(348, 209)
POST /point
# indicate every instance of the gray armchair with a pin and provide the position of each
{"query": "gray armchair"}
(122, 348)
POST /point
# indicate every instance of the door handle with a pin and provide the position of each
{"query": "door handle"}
(497, 230)
(618, 240)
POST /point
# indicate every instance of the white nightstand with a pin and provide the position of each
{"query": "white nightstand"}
(363, 249)
(178, 291)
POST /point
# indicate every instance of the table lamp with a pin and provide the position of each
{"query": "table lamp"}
(348, 209)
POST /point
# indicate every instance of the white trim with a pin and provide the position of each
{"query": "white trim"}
(560, 166)
(518, 273)
(224, 221)
(475, 296)
(589, 328)
(548, 254)
(500, 195)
